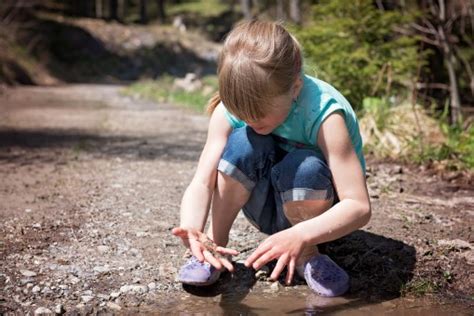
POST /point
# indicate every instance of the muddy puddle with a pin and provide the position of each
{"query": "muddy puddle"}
(310, 304)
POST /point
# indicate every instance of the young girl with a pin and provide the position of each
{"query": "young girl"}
(285, 148)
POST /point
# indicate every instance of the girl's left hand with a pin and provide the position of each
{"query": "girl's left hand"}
(286, 245)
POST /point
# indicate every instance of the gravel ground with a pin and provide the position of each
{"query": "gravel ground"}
(90, 188)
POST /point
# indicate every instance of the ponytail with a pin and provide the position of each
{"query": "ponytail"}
(213, 103)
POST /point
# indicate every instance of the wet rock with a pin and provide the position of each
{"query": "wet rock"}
(113, 306)
(28, 273)
(262, 274)
(274, 287)
(59, 309)
(43, 311)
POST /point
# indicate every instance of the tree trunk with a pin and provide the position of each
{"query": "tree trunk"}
(455, 104)
(113, 10)
(143, 12)
(246, 9)
(295, 11)
(121, 9)
(99, 9)
(161, 10)
(280, 8)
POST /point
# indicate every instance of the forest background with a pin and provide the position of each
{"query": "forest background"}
(405, 66)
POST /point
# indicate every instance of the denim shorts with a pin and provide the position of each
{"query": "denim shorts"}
(273, 176)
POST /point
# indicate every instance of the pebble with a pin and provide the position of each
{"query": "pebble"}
(263, 273)
(100, 269)
(275, 287)
(151, 286)
(74, 280)
(113, 306)
(138, 289)
(87, 298)
(103, 249)
(43, 311)
(59, 309)
(115, 294)
(28, 273)
(35, 289)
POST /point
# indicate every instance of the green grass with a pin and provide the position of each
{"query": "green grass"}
(202, 8)
(162, 90)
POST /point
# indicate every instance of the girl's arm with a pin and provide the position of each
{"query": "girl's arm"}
(197, 197)
(353, 211)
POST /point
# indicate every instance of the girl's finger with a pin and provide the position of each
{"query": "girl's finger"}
(227, 264)
(179, 232)
(264, 247)
(213, 261)
(282, 262)
(227, 251)
(196, 249)
(266, 257)
(290, 271)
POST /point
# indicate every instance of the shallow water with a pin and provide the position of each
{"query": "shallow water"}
(301, 304)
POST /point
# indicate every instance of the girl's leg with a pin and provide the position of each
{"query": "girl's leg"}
(304, 183)
(245, 165)
(229, 197)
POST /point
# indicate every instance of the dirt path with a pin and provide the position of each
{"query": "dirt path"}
(90, 188)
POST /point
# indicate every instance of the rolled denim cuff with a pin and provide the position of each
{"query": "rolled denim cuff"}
(303, 194)
(234, 172)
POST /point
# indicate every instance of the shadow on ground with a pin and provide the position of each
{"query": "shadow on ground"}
(164, 146)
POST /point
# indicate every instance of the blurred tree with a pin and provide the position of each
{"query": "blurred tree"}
(143, 12)
(161, 10)
(354, 47)
(295, 11)
(448, 26)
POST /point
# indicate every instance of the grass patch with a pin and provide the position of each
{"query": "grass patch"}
(420, 288)
(164, 90)
(204, 9)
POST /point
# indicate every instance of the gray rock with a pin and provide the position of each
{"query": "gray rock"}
(100, 269)
(275, 287)
(28, 273)
(59, 309)
(151, 286)
(136, 289)
(87, 298)
(115, 294)
(113, 306)
(103, 249)
(35, 289)
(43, 311)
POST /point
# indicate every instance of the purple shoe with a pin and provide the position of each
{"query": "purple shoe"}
(325, 277)
(198, 273)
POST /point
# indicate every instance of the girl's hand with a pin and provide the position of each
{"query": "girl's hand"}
(286, 245)
(204, 248)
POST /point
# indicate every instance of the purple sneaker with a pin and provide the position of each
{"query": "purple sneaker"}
(325, 277)
(198, 273)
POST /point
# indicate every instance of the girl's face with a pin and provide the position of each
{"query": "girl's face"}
(280, 108)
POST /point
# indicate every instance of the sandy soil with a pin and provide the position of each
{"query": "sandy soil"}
(90, 188)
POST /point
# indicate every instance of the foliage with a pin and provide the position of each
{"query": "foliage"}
(207, 8)
(355, 48)
(163, 90)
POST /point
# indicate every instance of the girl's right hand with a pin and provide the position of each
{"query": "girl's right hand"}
(204, 248)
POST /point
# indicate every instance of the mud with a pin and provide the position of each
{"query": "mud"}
(90, 188)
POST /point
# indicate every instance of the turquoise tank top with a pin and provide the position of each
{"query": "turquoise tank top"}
(316, 101)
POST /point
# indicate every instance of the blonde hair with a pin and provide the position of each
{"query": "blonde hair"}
(259, 61)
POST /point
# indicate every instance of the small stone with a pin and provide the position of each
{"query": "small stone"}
(263, 273)
(113, 306)
(28, 210)
(115, 294)
(74, 280)
(137, 289)
(456, 244)
(104, 269)
(142, 234)
(28, 273)
(43, 311)
(103, 249)
(36, 225)
(87, 292)
(103, 297)
(35, 289)
(59, 309)
(151, 286)
(275, 287)
(87, 298)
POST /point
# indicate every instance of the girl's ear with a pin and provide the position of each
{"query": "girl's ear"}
(297, 87)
